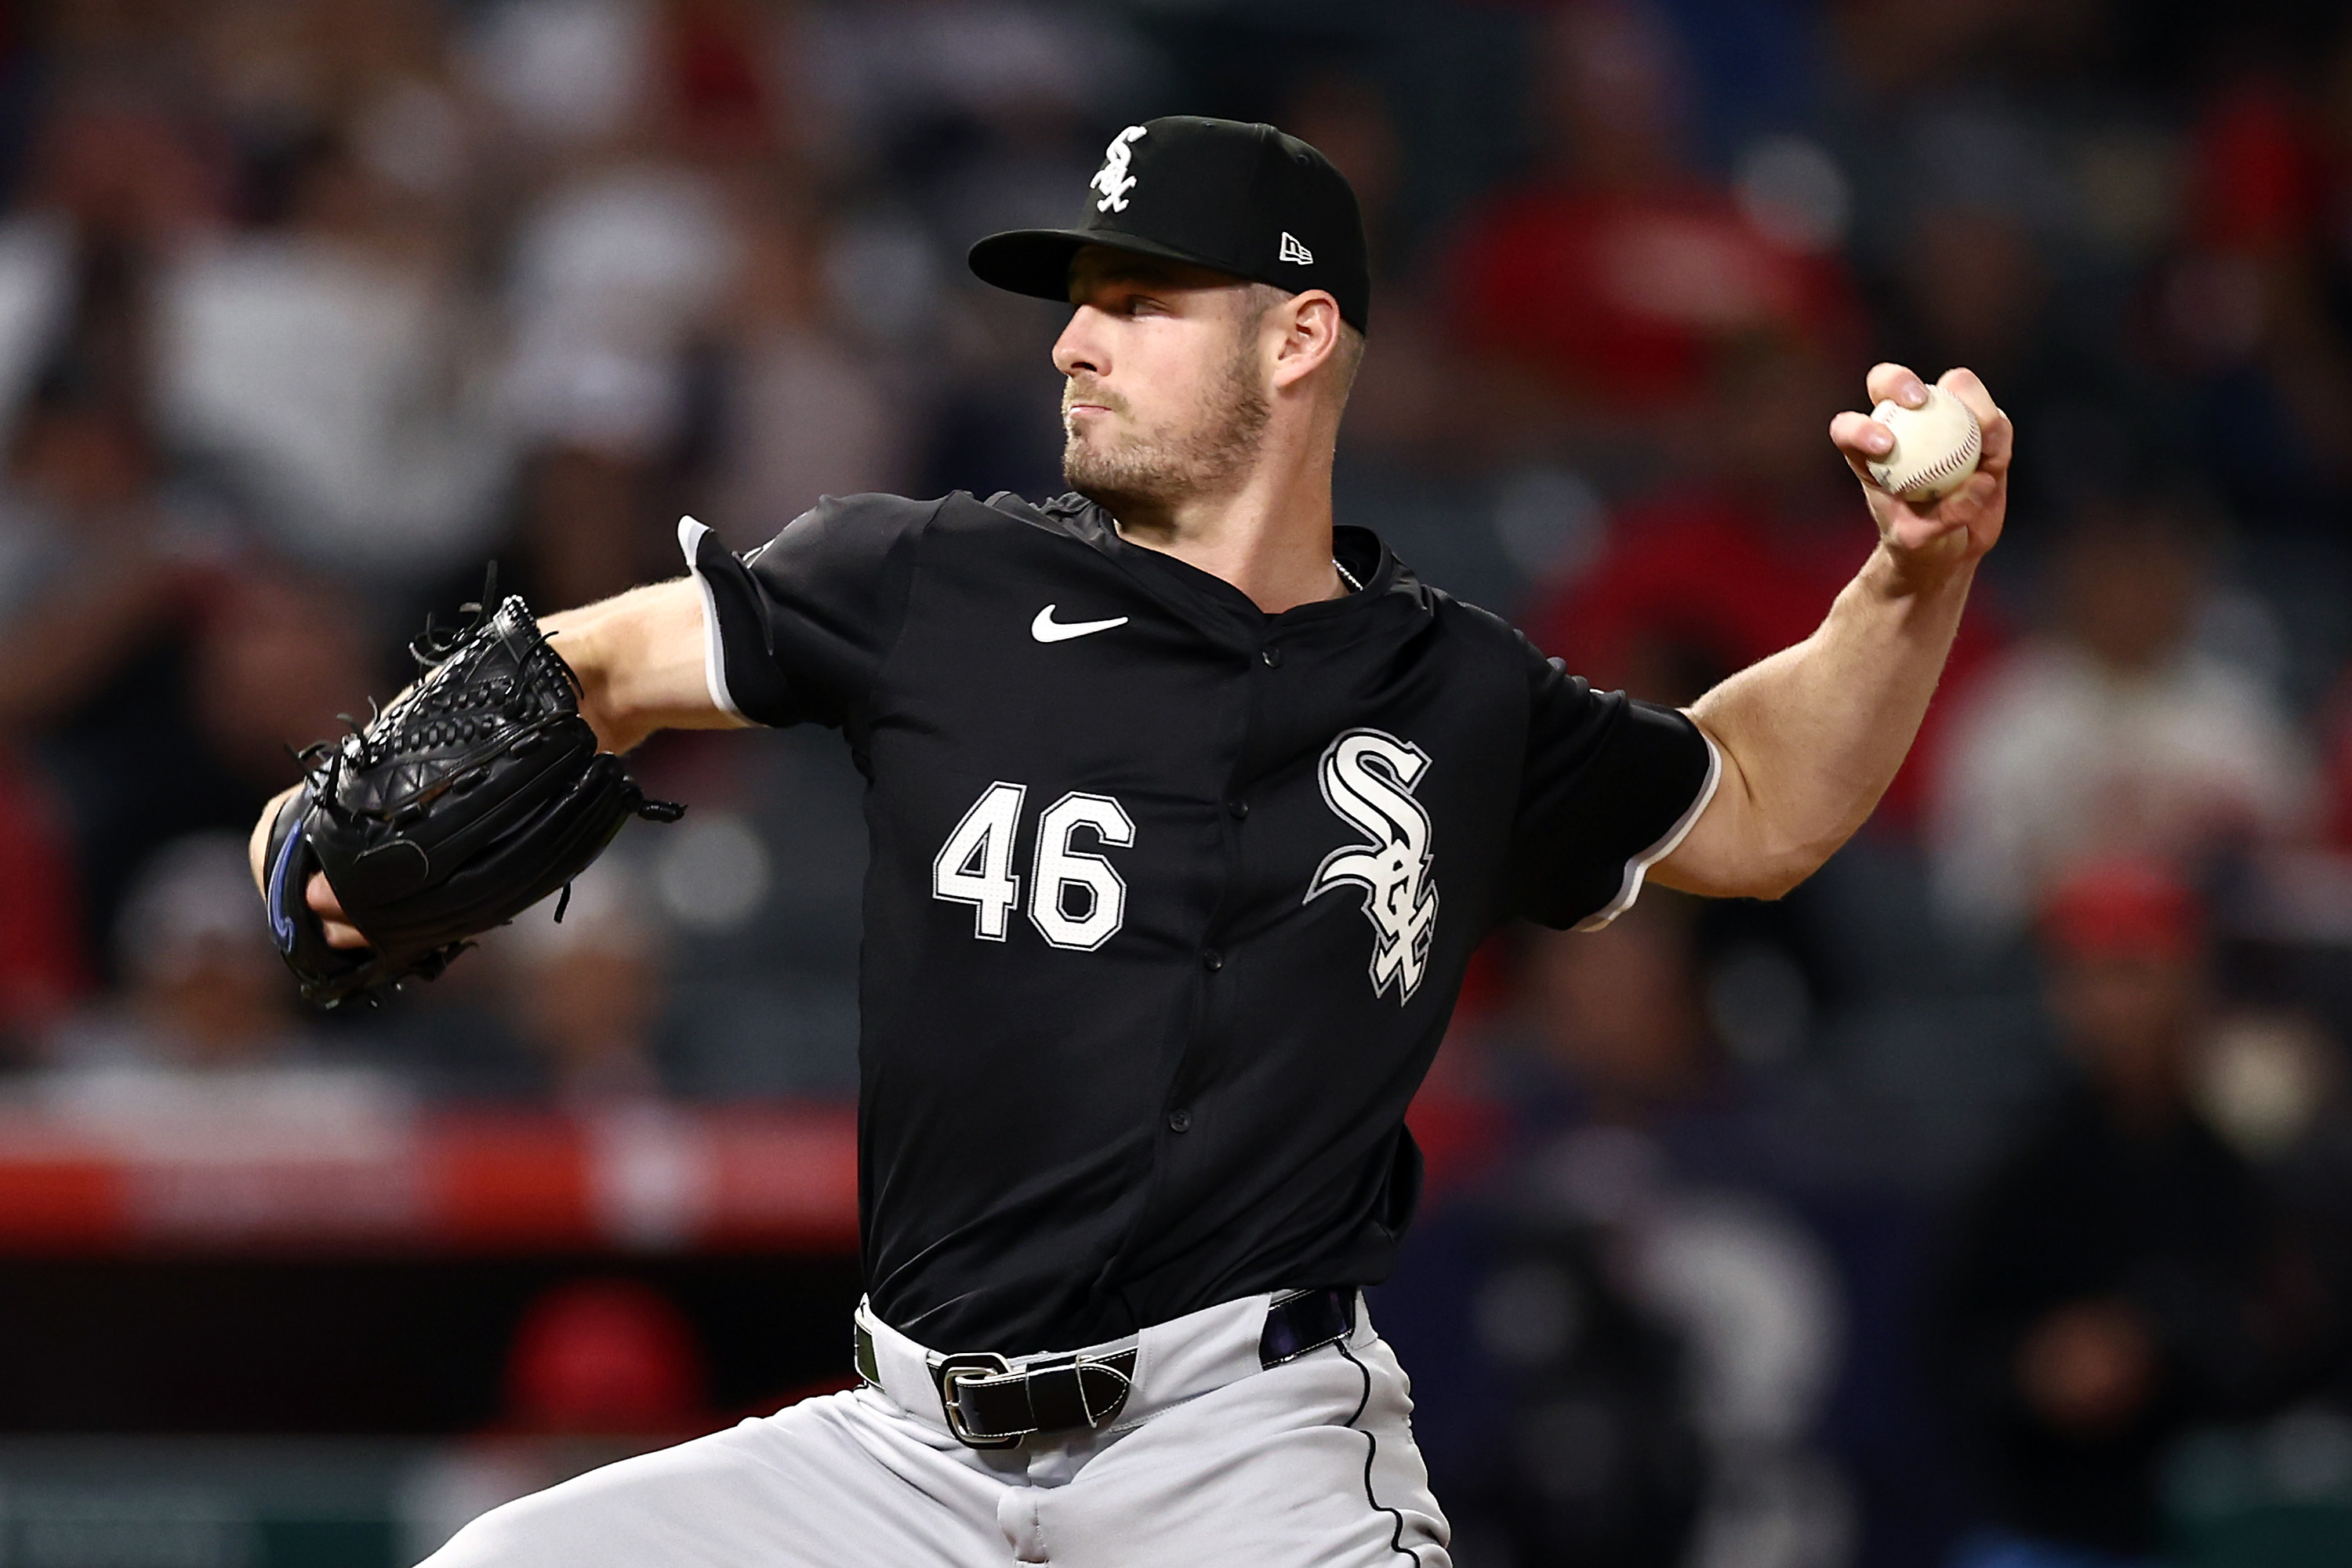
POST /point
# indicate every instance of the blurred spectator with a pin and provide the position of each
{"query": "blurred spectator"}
(1603, 285)
(2111, 732)
(597, 1370)
(38, 261)
(1645, 1217)
(583, 995)
(2254, 309)
(900, 81)
(79, 511)
(566, 75)
(617, 272)
(128, 165)
(333, 369)
(1603, 1463)
(1345, 116)
(276, 660)
(604, 1357)
(117, 619)
(1975, 291)
(203, 988)
(1740, 558)
(1972, 286)
(42, 965)
(2005, 214)
(614, 271)
(649, 135)
(2124, 1274)
(812, 411)
(2335, 737)
(1736, 561)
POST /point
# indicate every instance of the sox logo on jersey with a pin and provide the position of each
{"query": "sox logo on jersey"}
(1367, 777)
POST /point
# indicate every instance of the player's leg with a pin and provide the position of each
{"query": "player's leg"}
(1307, 1465)
(848, 1478)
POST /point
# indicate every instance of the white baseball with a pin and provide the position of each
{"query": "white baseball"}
(1936, 446)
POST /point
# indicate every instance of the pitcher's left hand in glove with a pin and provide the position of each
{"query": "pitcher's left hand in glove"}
(476, 795)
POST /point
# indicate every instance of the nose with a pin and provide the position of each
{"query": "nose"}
(1081, 346)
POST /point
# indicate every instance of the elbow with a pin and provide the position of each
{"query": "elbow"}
(1752, 845)
(1751, 875)
(1780, 882)
(1776, 873)
(1782, 854)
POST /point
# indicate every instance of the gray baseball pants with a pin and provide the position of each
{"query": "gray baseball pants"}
(1310, 1464)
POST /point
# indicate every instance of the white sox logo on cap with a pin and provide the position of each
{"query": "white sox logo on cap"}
(1367, 777)
(1112, 179)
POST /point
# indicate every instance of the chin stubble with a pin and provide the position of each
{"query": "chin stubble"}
(1157, 469)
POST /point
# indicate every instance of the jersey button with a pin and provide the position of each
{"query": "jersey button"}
(1273, 658)
(1240, 809)
(1212, 961)
(1179, 1122)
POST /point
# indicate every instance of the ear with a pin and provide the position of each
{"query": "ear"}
(1309, 324)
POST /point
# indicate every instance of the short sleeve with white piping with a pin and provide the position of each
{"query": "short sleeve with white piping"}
(798, 627)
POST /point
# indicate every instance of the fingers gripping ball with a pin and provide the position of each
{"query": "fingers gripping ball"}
(1936, 446)
(473, 796)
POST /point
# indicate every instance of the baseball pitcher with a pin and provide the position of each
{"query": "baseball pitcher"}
(1188, 809)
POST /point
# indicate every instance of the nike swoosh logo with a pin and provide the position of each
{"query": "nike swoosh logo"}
(1046, 629)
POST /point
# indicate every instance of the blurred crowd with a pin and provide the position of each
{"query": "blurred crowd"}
(1937, 1210)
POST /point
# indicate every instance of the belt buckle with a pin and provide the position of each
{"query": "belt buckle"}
(952, 1371)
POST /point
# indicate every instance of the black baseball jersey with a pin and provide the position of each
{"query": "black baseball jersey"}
(1168, 898)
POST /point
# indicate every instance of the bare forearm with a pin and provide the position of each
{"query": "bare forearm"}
(1812, 736)
(639, 657)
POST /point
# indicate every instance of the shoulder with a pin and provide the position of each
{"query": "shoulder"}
(1069, 513)
(867, 511)
(1453, 630)
(1480, 634)
(961, 512)
(873, 527)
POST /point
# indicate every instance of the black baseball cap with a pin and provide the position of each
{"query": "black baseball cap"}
(1240, 199)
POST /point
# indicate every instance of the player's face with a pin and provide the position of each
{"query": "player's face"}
(1166, 400)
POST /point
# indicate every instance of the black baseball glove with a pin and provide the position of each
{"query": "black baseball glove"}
(476, 795)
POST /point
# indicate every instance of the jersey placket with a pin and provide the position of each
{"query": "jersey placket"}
(1182, 1134)
(1267, 667)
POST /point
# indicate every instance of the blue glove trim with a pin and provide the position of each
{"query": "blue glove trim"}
(281, 871)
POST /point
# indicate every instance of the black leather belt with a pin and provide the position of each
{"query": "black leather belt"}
(1306, 1321)
(989, 1404)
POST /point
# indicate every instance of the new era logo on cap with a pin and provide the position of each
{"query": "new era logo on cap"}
(1293, 251)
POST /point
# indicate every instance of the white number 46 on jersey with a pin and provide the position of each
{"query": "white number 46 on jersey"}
(1075, 900)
